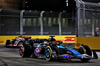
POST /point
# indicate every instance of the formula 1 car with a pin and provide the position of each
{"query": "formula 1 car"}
(17, 42)
(51, 49)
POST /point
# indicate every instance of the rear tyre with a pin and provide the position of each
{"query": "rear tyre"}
(48, 53)
(88, 50)
(51, 53)
(95, 54)
(25, 50)
(85, 50)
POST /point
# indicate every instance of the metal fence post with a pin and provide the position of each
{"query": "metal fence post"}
(60, 23)
(83, 17)
(41, 22)
(0, 14)
(21, 22)
(78, 16)
(93, 26)
(0, 21)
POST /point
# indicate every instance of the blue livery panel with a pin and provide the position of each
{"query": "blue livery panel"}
(76, 53)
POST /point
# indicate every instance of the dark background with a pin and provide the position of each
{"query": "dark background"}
(49, 5)
(52, 5)
(92, 0)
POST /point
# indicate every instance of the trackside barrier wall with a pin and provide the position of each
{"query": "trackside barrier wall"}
(64, 38)
(93, 42)
(88, 24)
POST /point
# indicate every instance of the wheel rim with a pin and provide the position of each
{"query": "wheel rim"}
(48, 53)
(21, 51)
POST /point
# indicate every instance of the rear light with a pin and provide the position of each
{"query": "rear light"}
(54, 43)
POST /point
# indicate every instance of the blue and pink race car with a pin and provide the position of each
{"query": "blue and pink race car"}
(51, 49)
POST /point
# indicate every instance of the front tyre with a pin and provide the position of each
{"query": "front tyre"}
(85, 50)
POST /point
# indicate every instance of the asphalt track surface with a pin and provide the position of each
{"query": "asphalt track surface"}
(10, 57)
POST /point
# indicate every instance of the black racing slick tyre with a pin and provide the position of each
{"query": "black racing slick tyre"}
(95, 54)
(88, 50)
(25, 50)
(85, 50)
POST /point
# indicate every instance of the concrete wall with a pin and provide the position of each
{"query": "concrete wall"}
(93, 42)
(64, 38)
